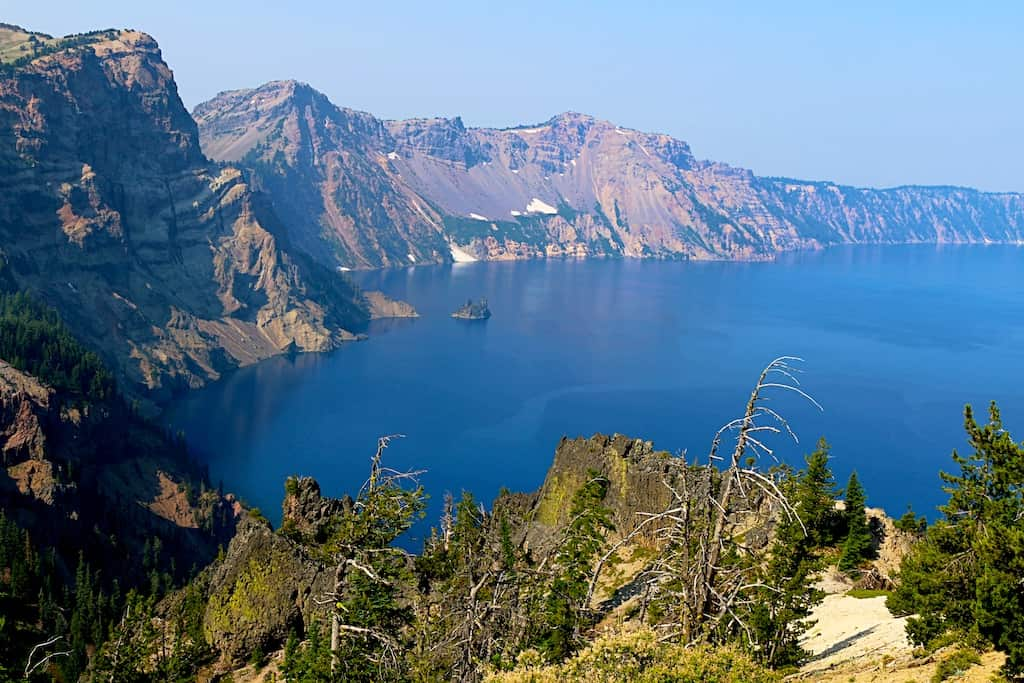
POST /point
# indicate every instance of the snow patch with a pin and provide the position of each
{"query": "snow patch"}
(530, 130)
(537, 206)
(573, 162)
(344, 269)
(411, 258)
(460, 256)
(516, 213)
(621, 132)
(478, 217)
(393, 156)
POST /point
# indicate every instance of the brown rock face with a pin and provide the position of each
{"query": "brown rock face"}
(305, 512)
(383, 306)
(167, 263)
(329, 172)
(96, 479)
(571, 186)
(24, 405)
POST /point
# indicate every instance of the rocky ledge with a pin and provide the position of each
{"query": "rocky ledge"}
(382, 306)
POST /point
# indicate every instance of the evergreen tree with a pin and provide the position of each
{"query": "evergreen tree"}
(910, 523)
(780, 611)
(858, 546)
(814, 497)
(565, 613)
(308, 662)
(370, 616)
(34, 339)
(966, 574)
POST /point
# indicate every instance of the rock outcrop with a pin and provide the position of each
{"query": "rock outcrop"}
(382, 306)
(361, 192)
(473, 310)
(636, 473)
(259, 593)
(270, 584)
(167, 263)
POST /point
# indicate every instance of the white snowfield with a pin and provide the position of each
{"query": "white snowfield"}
(478, 217)
(411, 258)
(538, 206)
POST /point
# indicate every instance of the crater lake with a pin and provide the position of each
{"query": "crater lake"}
(895, 341)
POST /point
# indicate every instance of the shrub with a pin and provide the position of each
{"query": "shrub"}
(956, 663)
(638, 657)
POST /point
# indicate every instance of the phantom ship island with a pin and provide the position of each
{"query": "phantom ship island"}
(473, 310)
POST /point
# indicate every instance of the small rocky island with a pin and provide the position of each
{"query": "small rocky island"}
(473, 310)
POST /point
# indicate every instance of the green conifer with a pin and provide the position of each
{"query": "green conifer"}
(858, 546)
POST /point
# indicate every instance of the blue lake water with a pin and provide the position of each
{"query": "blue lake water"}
(896, 341)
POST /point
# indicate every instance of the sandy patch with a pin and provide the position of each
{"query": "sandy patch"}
(850, 629)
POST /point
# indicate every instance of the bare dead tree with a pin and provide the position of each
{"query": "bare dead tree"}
(31, 667)
(383, 509)
(699, 575)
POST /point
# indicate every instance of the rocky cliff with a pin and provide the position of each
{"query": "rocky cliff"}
(404, 192)
(382, 306)
(165, 261)
(337, 191)
(95, 479)
(635, 471)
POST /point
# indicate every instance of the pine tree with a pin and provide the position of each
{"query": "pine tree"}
(814, 497)
(858, 546)
(565, 612)
(780, 612)
(370, 616)
(965, 575)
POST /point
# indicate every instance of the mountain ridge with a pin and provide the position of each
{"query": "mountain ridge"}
(574, 185)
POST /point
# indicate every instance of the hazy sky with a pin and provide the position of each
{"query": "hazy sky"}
(867, 93)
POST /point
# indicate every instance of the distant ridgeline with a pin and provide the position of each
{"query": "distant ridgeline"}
(121, 561)
(357, 192)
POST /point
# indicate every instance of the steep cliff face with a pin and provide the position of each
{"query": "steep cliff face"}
(572, 186)
(635, 472)
(92, 478)
(329, 173)
(167, 263)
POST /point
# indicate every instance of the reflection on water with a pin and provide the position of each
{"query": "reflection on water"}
(896, 340)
